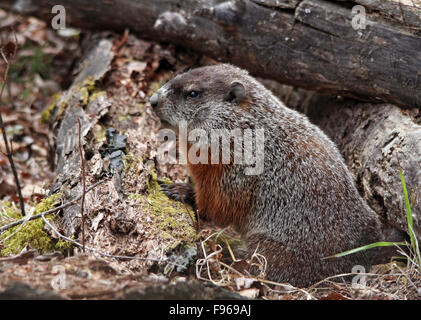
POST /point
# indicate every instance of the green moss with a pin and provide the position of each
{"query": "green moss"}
(173, 219)
(32, 232)
(45, 115)
(89, 84)
(95, 95)
(84, 95)
(131, 164)
(86, 91)
(124, 118)
(172, 216)
(63, 245)
(99, 133)
(9, 211)
(57, 107)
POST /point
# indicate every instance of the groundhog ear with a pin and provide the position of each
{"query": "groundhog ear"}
(237, 92)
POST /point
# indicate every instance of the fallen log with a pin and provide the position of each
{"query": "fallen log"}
(307, 43)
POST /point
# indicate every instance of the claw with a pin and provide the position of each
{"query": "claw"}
(162, 183)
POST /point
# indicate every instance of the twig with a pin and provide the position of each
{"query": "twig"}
(123, 39)
(39, 215)
(6, 143)
(230, 251)
(82, 203)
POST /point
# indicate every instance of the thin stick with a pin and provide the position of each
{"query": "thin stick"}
(6, 143)
(82, 203)
(230, 251)
(39, 215)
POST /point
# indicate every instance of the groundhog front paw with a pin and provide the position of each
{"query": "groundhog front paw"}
(182, 192)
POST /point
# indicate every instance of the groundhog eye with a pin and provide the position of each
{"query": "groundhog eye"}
(193, 94)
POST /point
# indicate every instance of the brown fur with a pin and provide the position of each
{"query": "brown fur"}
(303, 207)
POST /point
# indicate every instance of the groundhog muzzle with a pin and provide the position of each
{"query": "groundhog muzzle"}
(302, 207)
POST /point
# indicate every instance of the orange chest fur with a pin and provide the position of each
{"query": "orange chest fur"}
(214, 201)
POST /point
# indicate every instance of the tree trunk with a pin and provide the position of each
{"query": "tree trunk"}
(306, 43)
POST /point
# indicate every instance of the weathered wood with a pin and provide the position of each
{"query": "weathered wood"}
(64, 116)
(306, 43)
(278, 3)
(404, 11)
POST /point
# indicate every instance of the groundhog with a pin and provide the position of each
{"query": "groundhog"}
(301, 208)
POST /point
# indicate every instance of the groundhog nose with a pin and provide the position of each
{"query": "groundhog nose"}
(154, 100)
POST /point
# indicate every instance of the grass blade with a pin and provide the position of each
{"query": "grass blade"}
(367, 247)
(408, 210)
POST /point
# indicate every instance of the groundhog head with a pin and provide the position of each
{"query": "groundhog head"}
(211, 97)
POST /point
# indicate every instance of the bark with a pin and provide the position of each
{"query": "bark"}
(405, 12)
(64, 119)
(306, 43)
